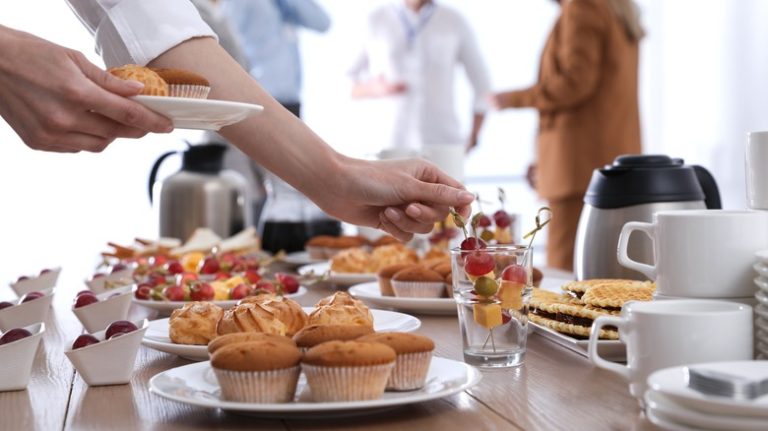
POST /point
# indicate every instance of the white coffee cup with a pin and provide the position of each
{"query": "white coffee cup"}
(700, 253)
(756, 157)
(660, 334)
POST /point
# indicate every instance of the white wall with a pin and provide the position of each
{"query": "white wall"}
(702, 89)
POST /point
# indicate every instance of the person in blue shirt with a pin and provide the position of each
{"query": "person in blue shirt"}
(267, 32)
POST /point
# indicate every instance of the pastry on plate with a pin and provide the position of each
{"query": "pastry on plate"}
(567, 315)
(312, 335)
(251, 317)
(414, 354)
(194, 323)
(183, 83)
(154, 85)
(286, 310)
(240, 337)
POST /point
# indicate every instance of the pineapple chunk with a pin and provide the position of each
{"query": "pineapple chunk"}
(503, 235)
(511, 295)
(234, 281)
(190, 261)
(487, 315)
(221, 291)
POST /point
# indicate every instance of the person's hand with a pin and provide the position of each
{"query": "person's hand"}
(382, 87)
(56, 100)
(499, 100)
(401, 197)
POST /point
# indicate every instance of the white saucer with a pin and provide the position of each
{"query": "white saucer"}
(339, 278)
(762, 283)
(196, 384)
(762, 311)
(167, 306)
(202, 114)
(673, 383)
(664, 406)
(370, 293)
(761, 297)
(761, 269)
(301, 258)
(157, 337)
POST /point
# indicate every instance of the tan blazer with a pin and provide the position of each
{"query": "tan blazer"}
(586, 96)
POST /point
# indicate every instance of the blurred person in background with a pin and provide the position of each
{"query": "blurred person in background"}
(267, 30)
(409, 62)
(586, 96)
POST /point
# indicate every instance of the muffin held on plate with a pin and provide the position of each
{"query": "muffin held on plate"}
(418, 282)
(348, 370)
(194, 323)
(385, 277)
(154, 84)
(312, 335)
(182, 83)
(240, 337)
(414, 354)
(257, 371)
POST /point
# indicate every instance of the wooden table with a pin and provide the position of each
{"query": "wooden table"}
(554, 389)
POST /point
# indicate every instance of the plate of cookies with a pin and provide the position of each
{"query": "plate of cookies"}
(182, 96)
(190, 329)
(565, 315)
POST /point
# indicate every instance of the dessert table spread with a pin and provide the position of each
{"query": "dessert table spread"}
(555, 389)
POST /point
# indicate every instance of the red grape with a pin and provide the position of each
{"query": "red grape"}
(515, 273)
(502, 219)
(84, 340)
(14, 335)
(85, 299)
(478, 263)
(119, 327)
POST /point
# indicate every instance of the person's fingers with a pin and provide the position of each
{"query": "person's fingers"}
(439, 194)
(426, 214)
(84, 142)
(393, 230)
(95, 124)
(106, 80)
(405, 223)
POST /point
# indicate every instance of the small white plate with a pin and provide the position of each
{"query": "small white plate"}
(762, 311)
(167, 306)
(158, 339)
(301, 258)
(762, 283)
(761, 269)
(762, 256)
(658, 403)
(38, 283)
(17, 358)
(673, 383)
(370, 293)
(113, 305)
(196, 384)
(761, 297)
(202, 114)
(761, 323)
(339, 278)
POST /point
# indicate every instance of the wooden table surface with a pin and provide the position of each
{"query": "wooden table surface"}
(555, 389)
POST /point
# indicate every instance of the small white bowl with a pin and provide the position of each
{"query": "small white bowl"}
(113, 305)
(108, 362)
(17, 358)
(38, 283)
(117, 279)
(28, 313)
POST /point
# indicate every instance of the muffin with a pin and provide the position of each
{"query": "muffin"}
(418, 282)
(536, 277)
(344, 242)
(316, 246)
(154, 85)
(414, 353)
(341, 309)
(385, 277)
(194, 323)
(348, 370)
(313, 335)
(182, 83)
(385, 240)
(286, 310)
(257, 371)
(386, 255)
(251, 317)
(353, 260)
(240, 337)
(443, 268)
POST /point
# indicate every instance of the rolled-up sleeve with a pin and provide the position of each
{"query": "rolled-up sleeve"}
(138, 31)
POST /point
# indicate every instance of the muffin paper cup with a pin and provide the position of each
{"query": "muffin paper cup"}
(315, 252)
(419, 289)
(190, 91)
(328, 384)
(385, 287)
(410, 371)
(274, 386)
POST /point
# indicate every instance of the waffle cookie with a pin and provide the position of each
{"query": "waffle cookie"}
(612, 296)
(577, 331)
(566, 314)
(579, 288)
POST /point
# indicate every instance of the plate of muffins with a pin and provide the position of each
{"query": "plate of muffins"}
(372, 294)
(182, 96)
(269, 375)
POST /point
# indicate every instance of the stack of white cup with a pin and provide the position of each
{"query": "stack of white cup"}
(761, 310)
(756, 157)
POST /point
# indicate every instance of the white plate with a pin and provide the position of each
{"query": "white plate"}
(167, 306)
(196, 384)
(666, 423)
(762, 297)
(761, 323)
(203, 114)
(370, 293)
(301, 258)
(612, 350)
(762, 283)
(663, 406)
(157, 337)
(762, 311)
(673, 383)
(761, 269)
(339, 278)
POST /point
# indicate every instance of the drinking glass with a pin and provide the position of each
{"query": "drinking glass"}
(492, 286)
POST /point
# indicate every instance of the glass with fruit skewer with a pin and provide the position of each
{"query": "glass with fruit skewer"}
(491, 286)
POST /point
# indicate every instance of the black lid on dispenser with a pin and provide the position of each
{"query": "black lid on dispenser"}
(642, 179)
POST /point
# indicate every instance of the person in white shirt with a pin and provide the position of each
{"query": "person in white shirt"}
(402, 197)
(409, 61)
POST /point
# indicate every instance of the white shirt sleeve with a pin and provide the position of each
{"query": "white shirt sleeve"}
(138, 31)
(475, 68)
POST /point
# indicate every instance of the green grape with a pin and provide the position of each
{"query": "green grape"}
(485, 286)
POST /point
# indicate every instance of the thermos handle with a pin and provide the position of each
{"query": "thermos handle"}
(708, 184)
(624, 260)
(594, 334)
(153, 173)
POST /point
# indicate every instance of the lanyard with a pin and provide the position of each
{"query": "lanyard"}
(411, 31)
